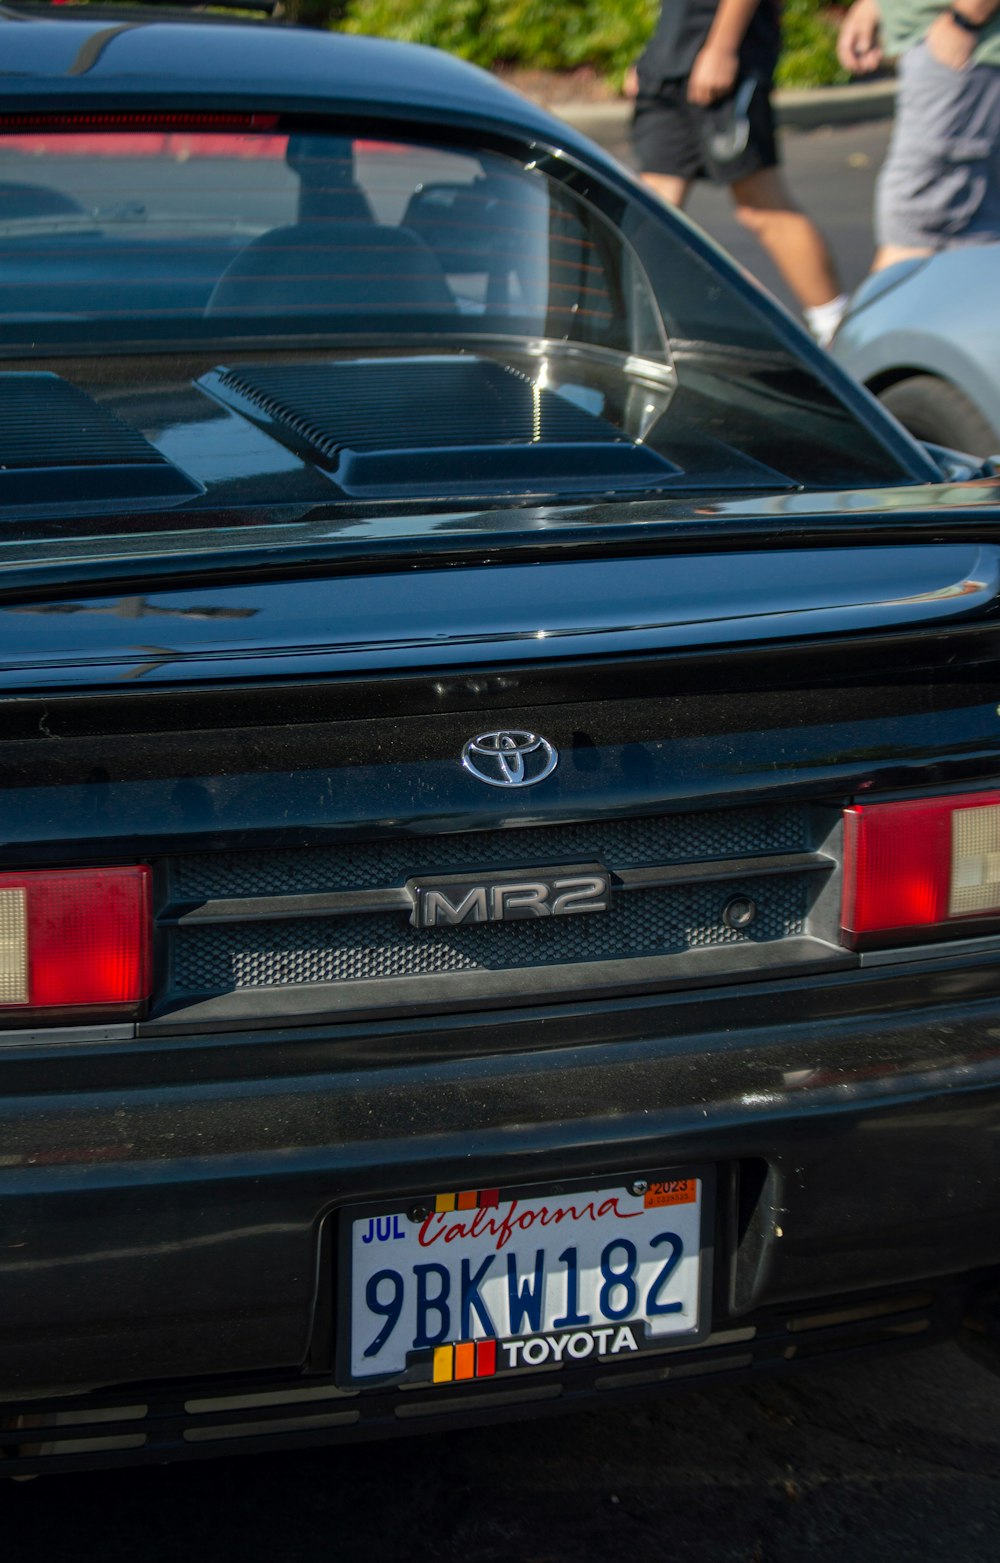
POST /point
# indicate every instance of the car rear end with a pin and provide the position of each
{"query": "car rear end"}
(498, 894)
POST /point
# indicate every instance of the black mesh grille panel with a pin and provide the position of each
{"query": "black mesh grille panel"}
(222, 958)
(706, 896)
(630, 843)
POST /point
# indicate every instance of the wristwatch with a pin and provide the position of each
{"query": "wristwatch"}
(965, 22)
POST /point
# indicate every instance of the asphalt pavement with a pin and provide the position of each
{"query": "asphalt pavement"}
(896, 1461)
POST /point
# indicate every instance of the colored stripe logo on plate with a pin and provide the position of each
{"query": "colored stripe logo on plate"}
(467, 1359)
(468, 1199)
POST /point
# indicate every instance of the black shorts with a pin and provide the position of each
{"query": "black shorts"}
(726, 142)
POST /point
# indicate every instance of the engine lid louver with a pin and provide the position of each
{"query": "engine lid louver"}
(58, 447)
(397, 427)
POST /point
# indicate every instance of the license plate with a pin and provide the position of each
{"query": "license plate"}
(488, 1282)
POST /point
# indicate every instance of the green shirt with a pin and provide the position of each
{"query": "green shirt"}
(905, 22)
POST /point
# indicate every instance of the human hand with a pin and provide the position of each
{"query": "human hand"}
(713, 74)
(950, 44)
(630, 86)
(859, 49)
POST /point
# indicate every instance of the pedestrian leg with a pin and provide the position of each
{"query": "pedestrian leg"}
(765, 206)
(669, 187)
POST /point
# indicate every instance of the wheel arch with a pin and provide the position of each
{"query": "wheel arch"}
(884, 378)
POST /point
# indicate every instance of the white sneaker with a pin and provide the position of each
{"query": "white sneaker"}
(823, 319)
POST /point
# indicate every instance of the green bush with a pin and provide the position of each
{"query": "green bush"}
(606, 35)
(809, 56)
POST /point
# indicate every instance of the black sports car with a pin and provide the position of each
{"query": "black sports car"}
(500, 879)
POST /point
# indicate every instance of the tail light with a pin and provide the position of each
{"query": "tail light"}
(912, 868)
(74, 937)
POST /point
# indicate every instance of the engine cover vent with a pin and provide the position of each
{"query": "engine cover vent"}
(443, 424)
(59, 447)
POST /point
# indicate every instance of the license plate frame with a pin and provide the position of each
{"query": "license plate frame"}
(425, 1366)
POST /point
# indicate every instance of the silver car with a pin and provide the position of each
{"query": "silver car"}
(924, 335)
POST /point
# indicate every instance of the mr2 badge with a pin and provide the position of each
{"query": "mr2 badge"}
(454, 899)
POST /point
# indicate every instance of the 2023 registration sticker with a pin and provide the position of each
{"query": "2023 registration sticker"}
(483, 1282)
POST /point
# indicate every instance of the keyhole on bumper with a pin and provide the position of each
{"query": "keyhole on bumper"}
(739, 912)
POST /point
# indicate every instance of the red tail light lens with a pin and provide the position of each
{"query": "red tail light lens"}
(916, 866)
(74, 937)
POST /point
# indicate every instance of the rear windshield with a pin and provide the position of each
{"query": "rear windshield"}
(230, 314)
(144, 232)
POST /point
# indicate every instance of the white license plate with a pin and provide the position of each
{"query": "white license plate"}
(486, 1282)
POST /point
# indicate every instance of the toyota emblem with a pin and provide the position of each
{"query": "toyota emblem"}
(510, 759)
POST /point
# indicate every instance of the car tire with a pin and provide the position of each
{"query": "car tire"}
(935, 410)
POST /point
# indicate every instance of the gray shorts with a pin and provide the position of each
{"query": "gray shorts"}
(940, 183)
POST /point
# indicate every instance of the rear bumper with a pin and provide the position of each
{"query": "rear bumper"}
(257, 1412)
(167, 1206)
